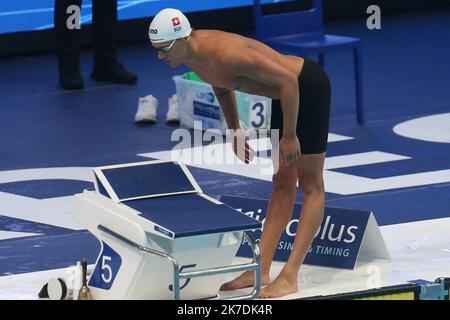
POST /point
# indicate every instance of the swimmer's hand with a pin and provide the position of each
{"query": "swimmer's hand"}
(241, 148)
(289, 149)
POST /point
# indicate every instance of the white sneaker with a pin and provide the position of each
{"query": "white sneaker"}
(173, 114)
(146, 111)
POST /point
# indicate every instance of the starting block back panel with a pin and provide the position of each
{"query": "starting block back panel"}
(142, 212)
(143, 180)
(191, 215)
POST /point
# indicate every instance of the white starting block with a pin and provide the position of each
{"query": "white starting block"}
(161, 237)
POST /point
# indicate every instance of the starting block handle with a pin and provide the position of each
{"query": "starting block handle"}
(254, 265)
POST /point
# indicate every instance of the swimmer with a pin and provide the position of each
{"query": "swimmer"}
(300, 91)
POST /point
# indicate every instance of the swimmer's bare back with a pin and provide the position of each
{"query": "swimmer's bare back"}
(218, 48)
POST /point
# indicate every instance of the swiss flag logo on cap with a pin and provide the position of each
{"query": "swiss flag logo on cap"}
(176, 21)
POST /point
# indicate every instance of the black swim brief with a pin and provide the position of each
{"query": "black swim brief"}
(314, 109)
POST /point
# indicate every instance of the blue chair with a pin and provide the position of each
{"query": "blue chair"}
(301, 33)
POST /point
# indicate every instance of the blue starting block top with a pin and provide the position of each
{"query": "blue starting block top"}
(144, 180)
(191, 215)
(165, 193)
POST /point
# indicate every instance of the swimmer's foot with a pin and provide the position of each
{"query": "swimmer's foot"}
(280, 287)
(247, 279)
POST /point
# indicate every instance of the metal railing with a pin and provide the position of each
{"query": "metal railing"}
(177, 275)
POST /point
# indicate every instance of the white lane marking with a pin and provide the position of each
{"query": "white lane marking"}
(359, 159)
(218, 157)
(7, 235)
(435, 128)
(54, 211)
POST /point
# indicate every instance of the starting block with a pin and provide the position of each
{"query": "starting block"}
(161, 236)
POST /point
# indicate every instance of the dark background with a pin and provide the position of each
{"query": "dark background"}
(235, 20)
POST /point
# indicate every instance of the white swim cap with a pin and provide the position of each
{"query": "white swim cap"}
(167, 25)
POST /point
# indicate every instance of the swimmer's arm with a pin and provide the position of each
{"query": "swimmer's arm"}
(255, 66)
(227, 101)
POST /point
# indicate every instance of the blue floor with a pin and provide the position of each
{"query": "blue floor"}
(406, 76)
